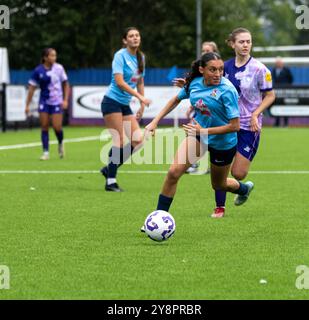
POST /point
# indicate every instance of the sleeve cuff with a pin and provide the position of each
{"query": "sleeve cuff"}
(33, 83)
(267, 89)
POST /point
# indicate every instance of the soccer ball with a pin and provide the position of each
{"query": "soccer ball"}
(159, 225)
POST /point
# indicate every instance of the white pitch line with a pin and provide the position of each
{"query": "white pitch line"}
(48, 171)
(38, 144)
(102, 137)
(280, 172)
(73, 172)
(126, 171)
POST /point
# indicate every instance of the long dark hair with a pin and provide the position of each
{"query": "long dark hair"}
(202, 62)
(139, 53)
(45, 53)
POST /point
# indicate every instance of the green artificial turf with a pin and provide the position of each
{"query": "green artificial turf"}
(63, 237)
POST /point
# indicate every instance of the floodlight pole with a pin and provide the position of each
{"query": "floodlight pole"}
(198, 28)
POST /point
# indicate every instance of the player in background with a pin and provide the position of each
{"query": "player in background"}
(216, 121)
(253, 81)
(128, 71)
(209, 46)
(51, 78)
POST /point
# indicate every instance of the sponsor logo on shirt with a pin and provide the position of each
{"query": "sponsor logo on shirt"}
(136, 76)
(219, 161)
(268, 77)
(202, 107)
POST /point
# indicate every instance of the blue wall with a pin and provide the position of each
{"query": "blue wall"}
(154, 76)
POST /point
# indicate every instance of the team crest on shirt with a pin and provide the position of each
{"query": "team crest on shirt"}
(214, 93)
(202, 107)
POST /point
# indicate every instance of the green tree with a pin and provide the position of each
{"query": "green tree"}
(87, 33)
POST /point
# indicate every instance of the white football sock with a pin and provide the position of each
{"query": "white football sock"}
(111, 181)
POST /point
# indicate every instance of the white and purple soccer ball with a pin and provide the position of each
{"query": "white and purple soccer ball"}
(159, 225)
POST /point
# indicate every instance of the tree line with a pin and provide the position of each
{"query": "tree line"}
(87, 33)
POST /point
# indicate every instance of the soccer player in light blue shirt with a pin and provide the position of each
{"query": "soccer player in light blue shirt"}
(215, 101)
(126, 64)
(128, 69)
(214, 107)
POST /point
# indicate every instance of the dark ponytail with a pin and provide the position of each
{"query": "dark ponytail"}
(202, 62)
(139, 54)
(194, 73)
(140, 60)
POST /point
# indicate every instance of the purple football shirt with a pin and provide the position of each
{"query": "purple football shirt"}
(250, 80)
(50, 83)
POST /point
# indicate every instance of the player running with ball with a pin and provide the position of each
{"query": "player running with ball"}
(215, 102)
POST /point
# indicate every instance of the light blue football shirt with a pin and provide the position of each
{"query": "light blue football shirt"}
(126, 64)
(214, 106)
